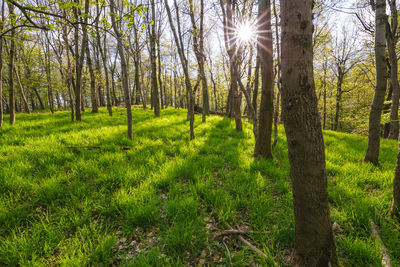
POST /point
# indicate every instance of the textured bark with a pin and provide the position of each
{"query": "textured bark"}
(124, 70)
(391, 40)
(10, 70)
(1, 66)
(372, 154)
(395, 209)
(314, 238)
(278, 67)
(153, 60)
(263, 141)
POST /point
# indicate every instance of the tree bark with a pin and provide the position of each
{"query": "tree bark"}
(198, 47)
(27, 109)
(1, 65)
(395, 209)
(93, 95)
(153, 59)
(314, 238)
(10, 69)
(263, 141)
(124, 70)
(391, 40)
(184, 63)
(372, 154)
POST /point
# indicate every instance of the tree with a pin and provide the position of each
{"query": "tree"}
(124, 68)
(372, 154)
(1, 65)
(395, 209)
(263, 138)
(344, 61)
(314, 238)
(391, 41)
(153, 58)
(184, 62)
(11, 66)
(198, 46)
(234, 59)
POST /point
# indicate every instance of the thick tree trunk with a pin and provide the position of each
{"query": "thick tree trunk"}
(124, 70)
(10, 70)
(1, 65)
(372, 154)
(314, 238)
(391, 40)
(263, 141)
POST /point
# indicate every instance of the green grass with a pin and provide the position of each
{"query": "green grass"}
(160, 203)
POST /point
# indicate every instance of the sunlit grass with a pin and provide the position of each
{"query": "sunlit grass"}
(159, 203)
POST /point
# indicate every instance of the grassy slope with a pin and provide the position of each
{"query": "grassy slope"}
(160, 202)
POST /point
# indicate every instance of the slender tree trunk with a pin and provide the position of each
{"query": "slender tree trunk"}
(338, 100)
(79, 56)
(10, 69)
(184, 63)
(153, 59)
(27, 109)
(124, 70)
(314, 238)
(93, 95)
(372, 154)
(278, 84)
(256, 82)
(263, 141)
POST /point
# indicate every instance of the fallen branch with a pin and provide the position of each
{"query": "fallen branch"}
(99, 147)
(232, 232)
(382, 248)
(254, 248)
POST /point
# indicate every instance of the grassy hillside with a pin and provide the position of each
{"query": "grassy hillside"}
(160, 202)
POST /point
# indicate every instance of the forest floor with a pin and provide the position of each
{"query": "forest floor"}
(78, 194)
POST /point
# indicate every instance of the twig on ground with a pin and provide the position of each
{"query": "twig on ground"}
(227, 249)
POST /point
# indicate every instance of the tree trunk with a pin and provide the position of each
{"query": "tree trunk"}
(153, 59)
(395, 209)
(93, 95)
(263, 141)
(372, 154)
(338, 100)
(124, 70)
(1, 65)
(10, 69)
(314, 238)
(391, 40)
(27, 109)
(256, 82)
(198, 46)
(184, 63)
